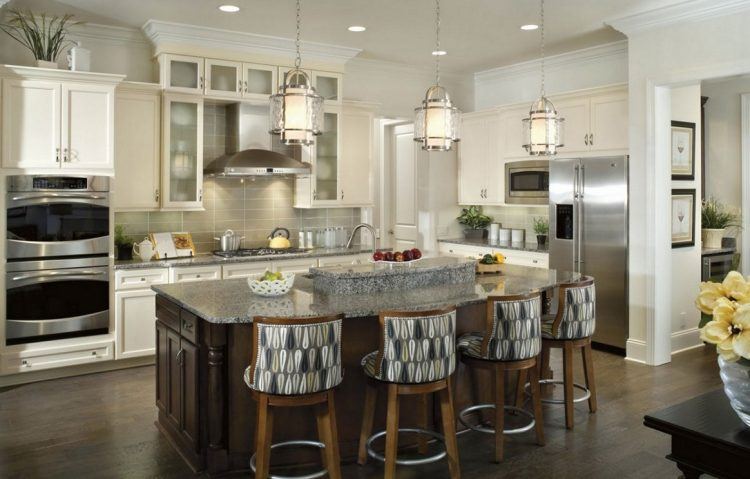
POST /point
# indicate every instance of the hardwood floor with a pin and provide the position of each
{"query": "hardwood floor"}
(102, 425)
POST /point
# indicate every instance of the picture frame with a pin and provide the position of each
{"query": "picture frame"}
(683, 218)
(683, 150)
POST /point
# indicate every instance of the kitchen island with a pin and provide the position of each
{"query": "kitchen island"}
(204, 342)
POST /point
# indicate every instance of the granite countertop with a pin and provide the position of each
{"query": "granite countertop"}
(531, 247)
(208, 258)
(230, 301)
(382, 270)
(713, 251)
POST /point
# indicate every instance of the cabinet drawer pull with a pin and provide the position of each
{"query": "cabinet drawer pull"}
(586, 139)
(187, 325)
(180, 357)
(591, 139)
(201, 82)
(198, 275)
(57, 155)
(245, 86)
(25, 363)
(143, 279)
(239, 86)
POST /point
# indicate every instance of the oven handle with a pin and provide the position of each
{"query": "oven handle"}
(58, 274)
(35, 196)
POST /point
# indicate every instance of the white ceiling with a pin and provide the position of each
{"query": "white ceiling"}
(478, 34)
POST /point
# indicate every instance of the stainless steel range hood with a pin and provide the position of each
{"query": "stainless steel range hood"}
(255, 162)
(251, 150)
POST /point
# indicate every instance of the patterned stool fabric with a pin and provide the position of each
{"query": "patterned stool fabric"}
(417, 349)
(515, 333)
(576, 315)
(294, 359)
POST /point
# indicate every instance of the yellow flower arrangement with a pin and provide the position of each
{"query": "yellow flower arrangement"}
(728, 306)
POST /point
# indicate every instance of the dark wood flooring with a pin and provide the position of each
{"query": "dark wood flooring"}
(102, 425)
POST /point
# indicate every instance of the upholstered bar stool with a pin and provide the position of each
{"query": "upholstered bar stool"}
(296, 362)
(417, 355)
(511, 342)
(571, 328)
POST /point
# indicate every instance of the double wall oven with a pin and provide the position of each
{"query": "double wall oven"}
(57, 245)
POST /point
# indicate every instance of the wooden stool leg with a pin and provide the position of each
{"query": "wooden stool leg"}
(368, 416)
(328, 435)
(536, 400)
(544, 370)
(423, 400)
(499, 410)
(391, 432)
(568, 383)
(449, 430)
(322, 434)
(588, 369)
(265, 434)
(520, 390)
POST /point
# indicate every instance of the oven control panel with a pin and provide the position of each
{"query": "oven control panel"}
(59, 183)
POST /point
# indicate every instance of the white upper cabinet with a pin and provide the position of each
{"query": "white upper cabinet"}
(182, 153)
(356, 156)
(575, 111)
(479, 160)
(137, 147)
(182, 74)
(512, 121)
(259, 81)
(58, 119)
(609, 122)
(31, 124)
(223, 78)
(328, 85)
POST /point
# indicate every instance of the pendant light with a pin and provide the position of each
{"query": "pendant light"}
(296, 110)
(437, 122)
(543, 129)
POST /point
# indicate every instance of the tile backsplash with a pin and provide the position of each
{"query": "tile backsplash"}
(252, 207)
(517, 217)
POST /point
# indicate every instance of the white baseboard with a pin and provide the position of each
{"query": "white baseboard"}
(688, 339)
(635, 350)
(34, 376)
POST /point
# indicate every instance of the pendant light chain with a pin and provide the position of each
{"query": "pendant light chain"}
(298, 60)
(437, 42)
(542, 47)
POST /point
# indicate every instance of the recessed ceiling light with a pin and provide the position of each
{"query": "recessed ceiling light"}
(439, 53)
(530, 26)
(357, 28)
(229, 8)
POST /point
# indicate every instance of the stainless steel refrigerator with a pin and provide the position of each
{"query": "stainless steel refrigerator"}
(589, 234)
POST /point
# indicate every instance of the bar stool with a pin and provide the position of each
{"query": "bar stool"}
(511, 342)
(296, 362)
(417, 355)
(571, 328)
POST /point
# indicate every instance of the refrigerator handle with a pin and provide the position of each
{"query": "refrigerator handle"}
(579, 243)
(576, 219)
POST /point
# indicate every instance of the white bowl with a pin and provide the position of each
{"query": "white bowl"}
(270, 289)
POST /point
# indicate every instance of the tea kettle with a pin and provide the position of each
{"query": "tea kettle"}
(144, 249)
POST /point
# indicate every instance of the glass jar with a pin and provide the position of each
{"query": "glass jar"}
(736, 378)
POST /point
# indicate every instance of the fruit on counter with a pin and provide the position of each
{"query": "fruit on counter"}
(407, 255)
(415, 253)
(388, 256)
(378, 256)
(271, 276)
(499, 258)
(398, 256)
(496, 258)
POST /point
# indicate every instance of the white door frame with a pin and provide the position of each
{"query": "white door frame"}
(745, 182)
(387, 150)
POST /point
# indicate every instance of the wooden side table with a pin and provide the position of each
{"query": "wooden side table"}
(707, 436)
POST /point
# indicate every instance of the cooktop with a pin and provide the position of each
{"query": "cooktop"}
(244, 252)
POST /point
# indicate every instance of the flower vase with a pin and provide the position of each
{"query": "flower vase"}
(46, 64)
(711, 238)
(736, 378)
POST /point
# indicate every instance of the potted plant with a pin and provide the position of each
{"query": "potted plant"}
(123, 244)
(44, 35)
(541, 228)
(715, 219)
(725, 322)
(476, 223)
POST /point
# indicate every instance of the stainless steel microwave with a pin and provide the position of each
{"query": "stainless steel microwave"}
(527, 182)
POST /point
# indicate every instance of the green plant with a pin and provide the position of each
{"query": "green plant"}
(43, 35)
(541, 225)
(473, 218)
(120, 238)
(715, 215)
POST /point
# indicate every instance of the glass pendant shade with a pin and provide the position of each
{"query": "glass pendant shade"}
(437, 122)
(543, 130)
(296, 110)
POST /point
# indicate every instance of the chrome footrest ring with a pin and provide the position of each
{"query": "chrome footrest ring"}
(580, 387)
(408, 462)
(488, 430)
(312, 475)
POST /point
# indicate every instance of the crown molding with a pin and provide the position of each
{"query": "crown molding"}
(396, 68)
(576, 58)
(110, 33)
(58, 74)
(161, 33)
(686, 11)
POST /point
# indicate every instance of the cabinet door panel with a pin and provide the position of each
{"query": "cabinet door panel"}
(259, 81)
(513, 127)
(494, 172)
(183, 73)
(31, 124)
(609, 122)
(223, 78)
(472, 157)
(135, 314)
(328, 86)
(87, 125)
(189, 424)
(577, 127)
(162, 368)
(182, 168)
(356, 165)
(173, 379)
(137, 146)
(327, 190)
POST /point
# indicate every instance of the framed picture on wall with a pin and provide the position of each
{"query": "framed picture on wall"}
(683, 218)
(683, 150)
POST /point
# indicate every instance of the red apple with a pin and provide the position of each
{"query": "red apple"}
(388, 256)
(415, 253)
(398, 257)
(377, 256)
(407, 255)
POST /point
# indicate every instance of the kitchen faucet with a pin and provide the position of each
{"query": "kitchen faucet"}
(369, 228)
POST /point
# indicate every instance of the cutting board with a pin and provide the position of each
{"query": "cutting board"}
(172, 245)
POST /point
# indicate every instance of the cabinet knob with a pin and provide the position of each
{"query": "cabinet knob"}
(156, 194)
(591, 139)
(197, 275)
(25, 363)
(143, 279)
(65, 155)
(200, 194)
(246, 86)
(239, 86)
(201, 83)
(586, 139)
(57, 155)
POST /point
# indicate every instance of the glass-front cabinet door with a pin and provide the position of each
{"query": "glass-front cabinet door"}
(182, 74)
(224, 78)
(259, 81)
(182, 158)
(327, 151)
(328, 85)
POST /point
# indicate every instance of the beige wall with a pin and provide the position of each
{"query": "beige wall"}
(252, 208)
(518, 217)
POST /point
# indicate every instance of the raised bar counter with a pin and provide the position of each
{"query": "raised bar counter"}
(204, 339)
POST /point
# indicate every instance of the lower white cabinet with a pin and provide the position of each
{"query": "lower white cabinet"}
(297, 266)
(343, 260)
(135, 316)
(244, 270)
(81, 351)
(186, 274)
(533, 259)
